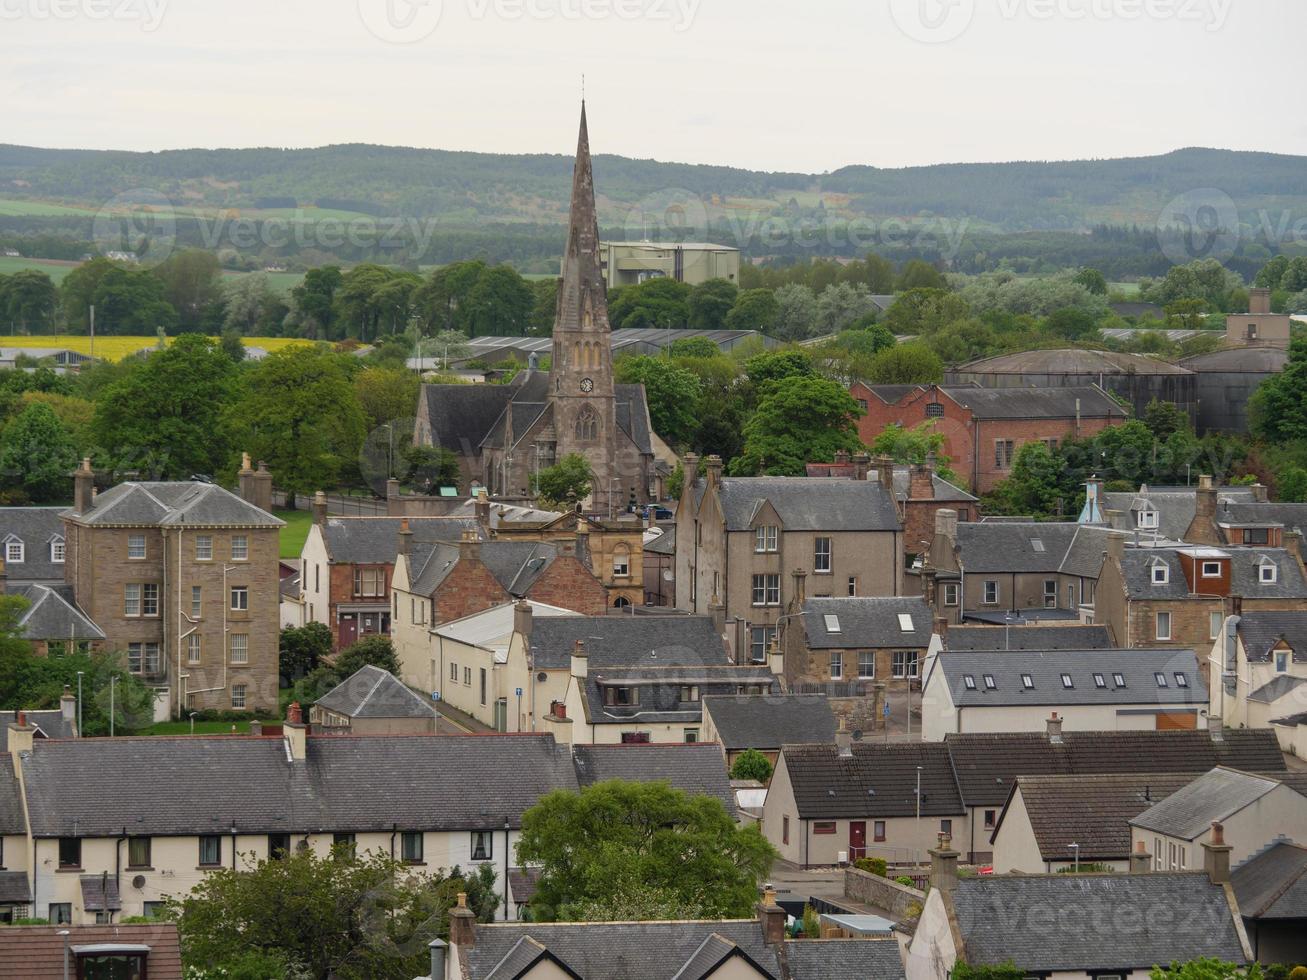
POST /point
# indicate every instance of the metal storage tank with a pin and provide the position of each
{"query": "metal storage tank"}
(1135, 378)
(1227, 379)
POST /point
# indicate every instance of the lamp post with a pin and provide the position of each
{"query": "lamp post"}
(192, 722)
(390, 449)
(919, 768)
(113, 680)
(79, 702)
(1075, 851)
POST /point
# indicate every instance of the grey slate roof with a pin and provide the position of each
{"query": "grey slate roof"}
(1036, 403)
(617, 951)
(1137, 569)
(1216, 795)
(100, 893)
(844, 959)
(1046, 669)
(1084, 556)
(1246, 583)
(1262, 631)
(36, 527)
(1175, 507)
(1292, 517)
(375, 540)
(1047, 923)
(371, 692)
(11, 802)
(14, 888)
(698, 768)
(1003, 547)
(1279, 687)
(877, 780)
(1070, 360)
(961, 638)
(516, 565)
(868, 622)
(944, 491)
(660, 691)
(767, 723)
(665, 543)
(173, 504)
(49, 724)
(1273, 884)
(987, 765)
(627, 641)
(809, 503)
(51, 616)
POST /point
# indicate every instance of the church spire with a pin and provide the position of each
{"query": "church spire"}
(583, 294)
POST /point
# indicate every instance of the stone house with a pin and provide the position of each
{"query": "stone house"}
(740, 722)
(32, 546)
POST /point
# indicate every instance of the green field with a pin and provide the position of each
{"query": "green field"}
(295, 532)
(201, 728)
(41, 209)
(55, 270)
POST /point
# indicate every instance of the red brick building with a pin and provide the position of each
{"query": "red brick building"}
(985, 428)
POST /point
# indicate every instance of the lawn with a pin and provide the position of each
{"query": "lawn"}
(56, 270)
(201, 728)
(295, 532)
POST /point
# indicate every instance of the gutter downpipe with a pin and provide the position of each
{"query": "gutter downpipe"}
(117, 871)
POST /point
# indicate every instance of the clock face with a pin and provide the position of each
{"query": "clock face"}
(587, 385)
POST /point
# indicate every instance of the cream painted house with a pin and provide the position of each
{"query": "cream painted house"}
(1259, 669)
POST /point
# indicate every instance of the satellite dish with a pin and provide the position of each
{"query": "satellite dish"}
(857, 734)
(138, 882)
(542, 677)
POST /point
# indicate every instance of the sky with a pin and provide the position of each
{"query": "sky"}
(796, 85)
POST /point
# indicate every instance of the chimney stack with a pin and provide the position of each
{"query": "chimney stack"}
(462, 924)
(861, 466)
(884, 466)
(1216, 856)
(921, 482)
(83, 487)
(580, 661)
(1116, 546)
(717, 610)
(842, 457)
(522, 618)
(800, 586)
(944, 866)
(295, 734)
(469, 545)
(1202, 530)
(844, 741)
(941, 628)
(320, 508)
(1054, 726)
(21, 737)
(771, 917)
(438, 949)
(482, 507)
(1259, 302)
(1141, 862)
(690, 467)
(713, 468)
(68, 706)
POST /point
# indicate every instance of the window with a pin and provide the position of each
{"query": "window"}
(1160, 678)
(760, 641)
(152, 910)
(836, 666)
(467, 676)
(821, 556)
(150, 599)
(370, 582)
(866, 665)
(483, 845)
(1037, 546)
(343, 842)
(1118, 680)
(766, 590)
(1004, 450)
(951, 594)
(1050, 594)
(1068, 683)
(689, 693)
(991, 594)
(905, 623)
(1161, 574)
(1027, 682)
(278, 846)
(990, 683)
(1148, 519)
(132, 599)
(136, 546)
(823, 827)
(946, 827)
(765, 539)
(1256, 535)
(240, 547)
(785, 830)
(1266, 573)
(61, 913)
(240, 648)
(621, 697)
(453, 671)
(14, 552)
(70, 852)
(238, 696)
(587, 424)
(1100, 682)
(1164, 626)
(411, 847)
(483, 685)
(210, 850)
(832, 623)
(1181, 680)
(690, 736)
(1214, 625)
(991, 819)
(903, 663)
(1211, 569)
(204, 547)
(143, 658)
(1281, 663)
(240, 598)
(878, 830)
(853, 585)
(197, 604)
(621, 564)
(969, 682)
(58, 549)
(193, 649)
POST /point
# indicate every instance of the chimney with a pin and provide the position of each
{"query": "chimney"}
(861, 466)
(462, 924)
(718, 613)
(1293, 545)
(844, 741)
(842, 457)
(405, 546)
(713, 468)
(1259, 302)
(1054, 727)
(941, 628)
(884, 472)
(245, 479)
(1216, 856)
(482, 506)
(1141, 862)
(944, 866)
(68, 705)
(1202, 530)
(1260, 493)
(320, 508)
(690, 467)
(392, 489)
(83, 487)
(1116, 546)
(580, 662)
(21, 736)
(771, 917)
(921, 482)
(522, 618)
(256, 728)
(263, 487)
(295, 734)
(438, 949)
(469, 545)
(800, 587)
(943, 547)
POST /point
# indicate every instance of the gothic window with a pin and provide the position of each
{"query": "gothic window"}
(587, 424)
(577, 359)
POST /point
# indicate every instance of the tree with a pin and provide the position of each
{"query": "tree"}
(841, 305)
(333, 917)
(37, 455)
(567, 482)
(918, 274)
(1186, 314)
(1165, 418)
(500, 304)
(428, 468)
(1071, 323)
(301, 414)
(386, 395)
(640, 836)
(131, 303)
(798, 420)
(772, 366)
(694, 347)
(671, 390)
(314, 300)
(441, 300)
(1278, 408)
(303, 649)
(921, 312)
(755, 309)
(906, 364)
(660, 303)
(1004, 971)
(1206, 969)
(376, 651)
(711, 302)
(1035, 487)
(28, 300)
(796, 312)
(191, 282)
(245, 300)
(752, 764)
(914, 447)
(1092, 280)
(372, 298)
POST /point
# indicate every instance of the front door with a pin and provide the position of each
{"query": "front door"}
(857, 839)
(349, 629)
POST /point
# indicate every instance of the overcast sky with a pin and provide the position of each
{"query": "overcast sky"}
(807, 85)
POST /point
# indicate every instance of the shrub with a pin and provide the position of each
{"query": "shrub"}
(811, 923)
(876, 866)
(752, 764)
(1298, 973)
(906, 881)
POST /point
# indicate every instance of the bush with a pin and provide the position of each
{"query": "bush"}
(1298, 973)
(227, 714)
(875, 866)
(30, 922)
(811, 923)
(752, 764)
(905, 881)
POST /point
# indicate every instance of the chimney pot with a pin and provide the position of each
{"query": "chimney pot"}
(1216, 856)
(83, 487)
(462, 924)
(771, 917)
(319, 508)
(1054, 726)
(944, 865)
(295, 714)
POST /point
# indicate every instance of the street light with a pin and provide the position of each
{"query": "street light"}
(112, 681)
(193, 722)
(79, 702)
(919, 768)
(1075, 850)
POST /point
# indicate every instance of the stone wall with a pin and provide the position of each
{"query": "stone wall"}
(882, 893)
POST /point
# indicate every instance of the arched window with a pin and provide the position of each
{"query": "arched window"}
(622, 602)
(587, 424)
(576, 359)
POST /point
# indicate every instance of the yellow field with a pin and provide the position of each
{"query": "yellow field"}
(116, 348)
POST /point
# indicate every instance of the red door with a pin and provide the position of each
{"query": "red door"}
(349, 629)
(857, 839)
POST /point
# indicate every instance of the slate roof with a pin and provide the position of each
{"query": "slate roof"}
(36, 527)
(12, 820)
(767, 723)
(14, 887)
(51, 616)
(1071, 360)
(1277, 688)
(945, 492)
(627, 641)
(698, 768)
(1003, 547)
(1074, 923)
(1036, 403)
(1215, 795)
(660, 691)
(663, 544)
(375, 540)
(987, 765)
(49, 724)
(1292, 517)
(617, 951)
(1175, 507)
(516, 565)
(371, 692)
(962, 638)
(808, 504)
(1261, 631)
(868, 622)
(877, 780)
(191, 504)
(1273, 884)
(37, 952)
(100, 893)
(892, 394)
(1137, 569)
(1245, 580)
(844, 959)
(1093, 811)
(1084, 556)
(1047, 669)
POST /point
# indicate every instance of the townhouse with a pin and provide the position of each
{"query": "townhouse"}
(1259, 666)
(1269, 890)
(739, 723)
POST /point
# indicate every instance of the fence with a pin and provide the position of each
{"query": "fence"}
(338, 504)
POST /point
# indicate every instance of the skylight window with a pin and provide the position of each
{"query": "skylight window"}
(1100, 681)
(1027, 682)
(969, 682)
(1181, 680)
(832, 624)
(1118, 680)
(1160, 678)
(905, 623)
(990, 684)
(1037, 545)
(1067, 682)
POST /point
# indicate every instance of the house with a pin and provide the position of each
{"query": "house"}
(1255, 811)
(659, 565)
(1090, 691)
(832, 804)
(1167, 513)
(739, 723)
(53, 624)
(985, 428)
(1261, 660)
(696, 768)
(115, 950)
(185, 578)
(739, 541)
(59, 722)
(34, 551)
(1027, 637)
(1080, 926)
(1052, 823)
(1270, 888)
(373, 701)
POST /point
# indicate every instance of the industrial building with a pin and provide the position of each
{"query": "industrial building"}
(1226, 381)
(631, 263)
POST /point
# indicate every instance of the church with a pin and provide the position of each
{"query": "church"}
(504, 434)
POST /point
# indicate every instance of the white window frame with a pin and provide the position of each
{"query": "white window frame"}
(951, 594)
(15, 552)
(991, 586)
(58, 550)
(204, 547)
(1027, 682)
(866, 665)
(197, 602)
(837, 666)
(150, 599)
(239, 598)
(823, 560)
(1207, 565)
(905, 665)
(969, 681)
(770, 589)
(1148, 519)
(1214, 623)
(766, 538)
(240, 547)
(194, 649)
(621, 564)
(240, 648)
(239, 697)
(1158, 620)
(132, 600)
(1267, 573)
(136, 550)
(1161, 573)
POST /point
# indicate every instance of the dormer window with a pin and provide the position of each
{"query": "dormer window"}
(1211, 569)
(58, 549)
(1161, 573)
(14, 552)
(765, 539)
(1266, 572)
(1148, 519)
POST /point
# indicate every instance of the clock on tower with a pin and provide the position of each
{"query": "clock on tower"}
(587, 385)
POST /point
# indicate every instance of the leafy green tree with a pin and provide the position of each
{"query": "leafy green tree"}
(28, 301)
(1278, 408)
(1186, 314)
(671, 390)
(1206, 969)
(376, 651)
(566, 482)
(372, 299)
(694, 347)
(796, 313)
(331, 917)
(1126, 452)
(1092, 280)
(231, 345)
(441, 301)
(544, 293)
(191, 279)
(777, 365)
(386, 395)
(303, 649)
(660, 303)
(1203, 279)
(1071, 323)
(711, 302)
(921, 312)
(427, 468)
(315, 299)
(869, 340)
(906, 364)
(917, 274)
(914, 447)
(755, 309)
(751, 764)
(640, 835)
(245, 300)
(841, 305)
(1035, 487)
(166, 417)
(1165, 418)
(77, 293)
(500, 304)
(1004, 971)
(131, 303)
(37, 455)
(798, 420)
